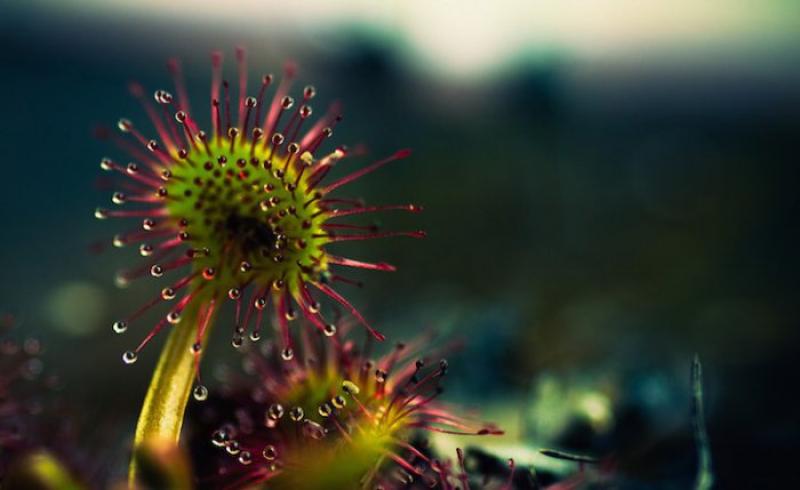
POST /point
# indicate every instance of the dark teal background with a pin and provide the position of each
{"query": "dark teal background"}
(587, 221)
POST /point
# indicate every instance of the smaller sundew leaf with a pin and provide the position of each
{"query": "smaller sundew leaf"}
(337, 416)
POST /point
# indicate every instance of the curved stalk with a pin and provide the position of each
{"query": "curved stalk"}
(161, 417)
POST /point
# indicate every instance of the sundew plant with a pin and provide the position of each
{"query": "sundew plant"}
(242, 213)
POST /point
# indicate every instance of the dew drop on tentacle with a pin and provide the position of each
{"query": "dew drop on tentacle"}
(314, 308)
(338, 402)
(245, 458)
(118, 241)
(296, 414)
(200, 393)
(124, 125)
(325, 410)
(232, 447)
(120, 326)
(118, 198)
(162, 97)
(269, 453)
(129, 357)
(219, 438)
(275, 411)
(350, 388)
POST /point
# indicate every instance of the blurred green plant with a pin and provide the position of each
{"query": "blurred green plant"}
(705, 475)
(40, 471)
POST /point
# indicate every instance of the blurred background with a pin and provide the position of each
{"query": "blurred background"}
(610, 187)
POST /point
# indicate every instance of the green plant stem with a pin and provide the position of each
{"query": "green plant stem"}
(161, 417)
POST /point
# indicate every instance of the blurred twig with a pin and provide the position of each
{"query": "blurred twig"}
(705, 476)
(578, 458)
